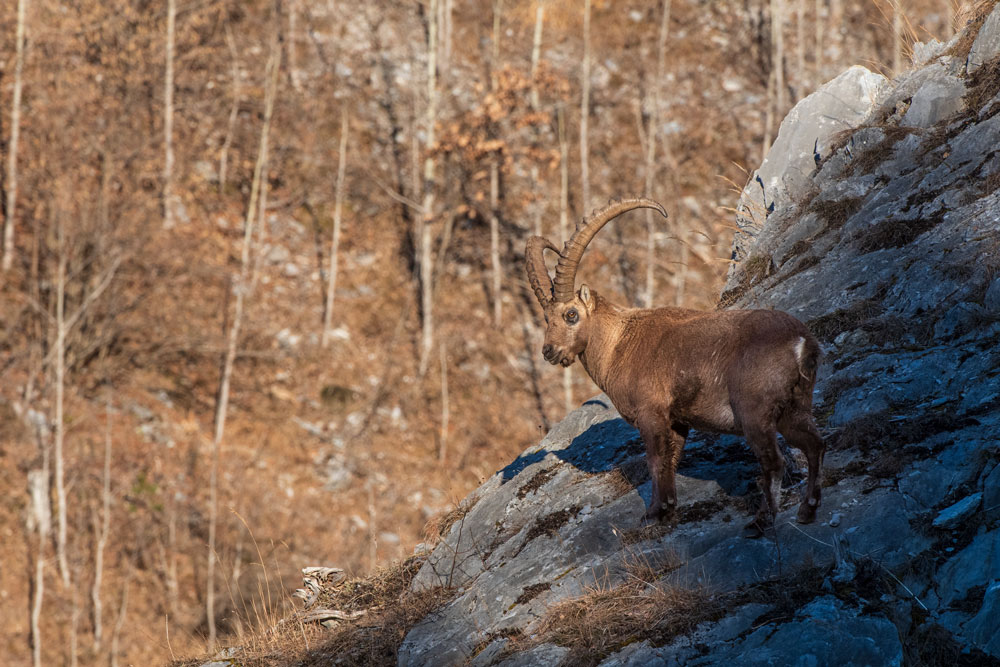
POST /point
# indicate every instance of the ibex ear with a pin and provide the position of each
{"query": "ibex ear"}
(586, 297)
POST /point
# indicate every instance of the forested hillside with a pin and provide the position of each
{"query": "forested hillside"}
(262, 302)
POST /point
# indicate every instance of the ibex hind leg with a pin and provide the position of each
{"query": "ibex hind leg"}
(800, 431)
(764, 443)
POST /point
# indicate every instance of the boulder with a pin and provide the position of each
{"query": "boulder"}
(954, 516)
(803, 138)
(987, 44)
(938, 97)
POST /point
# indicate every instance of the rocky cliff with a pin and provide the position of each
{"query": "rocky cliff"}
(876, 219)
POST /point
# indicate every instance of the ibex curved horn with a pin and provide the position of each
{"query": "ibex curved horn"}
(538, 275)
(569, 258)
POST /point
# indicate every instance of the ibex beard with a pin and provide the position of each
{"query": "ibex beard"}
(668, 370)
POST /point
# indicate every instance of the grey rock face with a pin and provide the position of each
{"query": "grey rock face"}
(858, 640)
(984, 629)
(987, 44)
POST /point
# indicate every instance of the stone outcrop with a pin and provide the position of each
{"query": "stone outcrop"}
(886, 241)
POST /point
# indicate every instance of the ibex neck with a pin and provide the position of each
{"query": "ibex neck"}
(607, 323)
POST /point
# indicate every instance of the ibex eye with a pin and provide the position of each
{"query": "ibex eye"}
(572, 316)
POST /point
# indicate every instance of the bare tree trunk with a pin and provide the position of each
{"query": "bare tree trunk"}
(168, 120)
(800, 46)
(59, 419)
(564, 231)
(585, 114)
(172, 588)
(778, 55)
(102, 529)
(74, 628)
(445, 407)
(120, 621)
(331, 285)
(444, 23)
(41, 518)
(372, 525)
(292, 39)
(242, 287)
(536, 52)
(496, 269)
(836, 28)
(818, 42)
(233, 111)
(15, 133)
(897, 37)
(427, 214)
(768, 117)
(681, 275)
(651, 138)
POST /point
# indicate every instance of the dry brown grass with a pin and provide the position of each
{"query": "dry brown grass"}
(537, 481)
(866, 159)
(439, 525)
(836, 212)
(829, 326)
(374, 639)
(752, 271)
(895, 232)
(628, 476)
(974, 17)
(983, 85)
(604, 619)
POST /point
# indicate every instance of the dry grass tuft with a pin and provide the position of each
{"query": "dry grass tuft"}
(829, 326)
(383, 588)
(537, 481)
(598, 623)
(991, 184)
(619, 482)
(836, 212)
(895, 232)
(983, 85)
(865, 160)
(374, 640)
(753, 270)
(974, 17)
(628, 476)
(550, 523)
(439, 525)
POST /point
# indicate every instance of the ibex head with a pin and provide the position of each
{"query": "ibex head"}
(568, 311)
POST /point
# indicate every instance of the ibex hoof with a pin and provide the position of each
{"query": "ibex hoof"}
(758, 527)
(806, 513)
(662, 515)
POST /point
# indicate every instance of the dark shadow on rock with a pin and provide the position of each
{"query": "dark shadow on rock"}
(520, 463)
(723, 459)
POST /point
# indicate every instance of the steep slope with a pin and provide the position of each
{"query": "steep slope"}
(886, 240)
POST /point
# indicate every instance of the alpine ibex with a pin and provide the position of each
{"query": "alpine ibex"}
(667, 370)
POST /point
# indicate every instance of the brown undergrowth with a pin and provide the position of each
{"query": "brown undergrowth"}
(648, 608)
(391, 610)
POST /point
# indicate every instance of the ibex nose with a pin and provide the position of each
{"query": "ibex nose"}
(546, 351)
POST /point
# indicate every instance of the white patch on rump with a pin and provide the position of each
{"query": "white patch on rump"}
(800, 349)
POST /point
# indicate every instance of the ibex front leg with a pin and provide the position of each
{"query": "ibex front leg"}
(664, 447)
